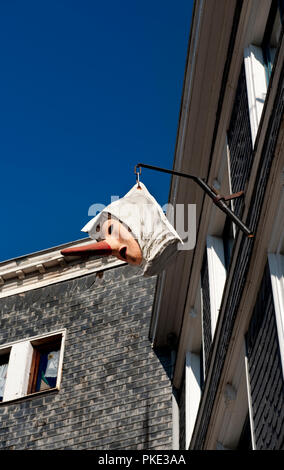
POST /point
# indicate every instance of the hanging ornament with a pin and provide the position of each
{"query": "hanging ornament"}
(133, 228)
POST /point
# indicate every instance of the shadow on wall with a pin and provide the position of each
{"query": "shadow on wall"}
(164, 356)
(149, 417)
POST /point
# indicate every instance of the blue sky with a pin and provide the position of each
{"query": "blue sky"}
(87, 90)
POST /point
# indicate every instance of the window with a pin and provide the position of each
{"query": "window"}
(264, 371)
(239, 138)
(31, 366)
(45, 363)
(213, 278)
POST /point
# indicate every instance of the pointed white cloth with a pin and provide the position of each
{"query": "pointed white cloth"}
(141, 213)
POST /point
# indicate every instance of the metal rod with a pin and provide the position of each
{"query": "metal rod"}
(218, 201)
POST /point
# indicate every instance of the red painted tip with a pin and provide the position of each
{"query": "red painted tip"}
(94, 249)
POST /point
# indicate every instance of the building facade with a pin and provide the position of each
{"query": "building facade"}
(77, 368)
(194, 358)
(220, 307)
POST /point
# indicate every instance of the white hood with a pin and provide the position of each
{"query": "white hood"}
(139, 211)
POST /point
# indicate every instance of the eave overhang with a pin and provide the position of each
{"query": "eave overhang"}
(204, 83)
(48, 267)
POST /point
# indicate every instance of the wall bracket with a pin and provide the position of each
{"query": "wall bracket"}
(218, 199)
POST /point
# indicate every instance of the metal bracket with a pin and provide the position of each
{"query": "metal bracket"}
(218, 199)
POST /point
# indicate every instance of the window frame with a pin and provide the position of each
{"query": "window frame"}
(274, 275)
(41, 346)
(18, 384)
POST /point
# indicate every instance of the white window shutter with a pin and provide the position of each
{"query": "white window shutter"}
(18, 371)
(217, 276)
(276, 266)
(256, 85)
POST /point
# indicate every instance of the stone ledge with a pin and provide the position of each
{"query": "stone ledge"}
(48, 267)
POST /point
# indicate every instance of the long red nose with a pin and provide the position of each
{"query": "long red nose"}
(94, 249)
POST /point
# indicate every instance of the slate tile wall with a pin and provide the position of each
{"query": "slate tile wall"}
(115, 390)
